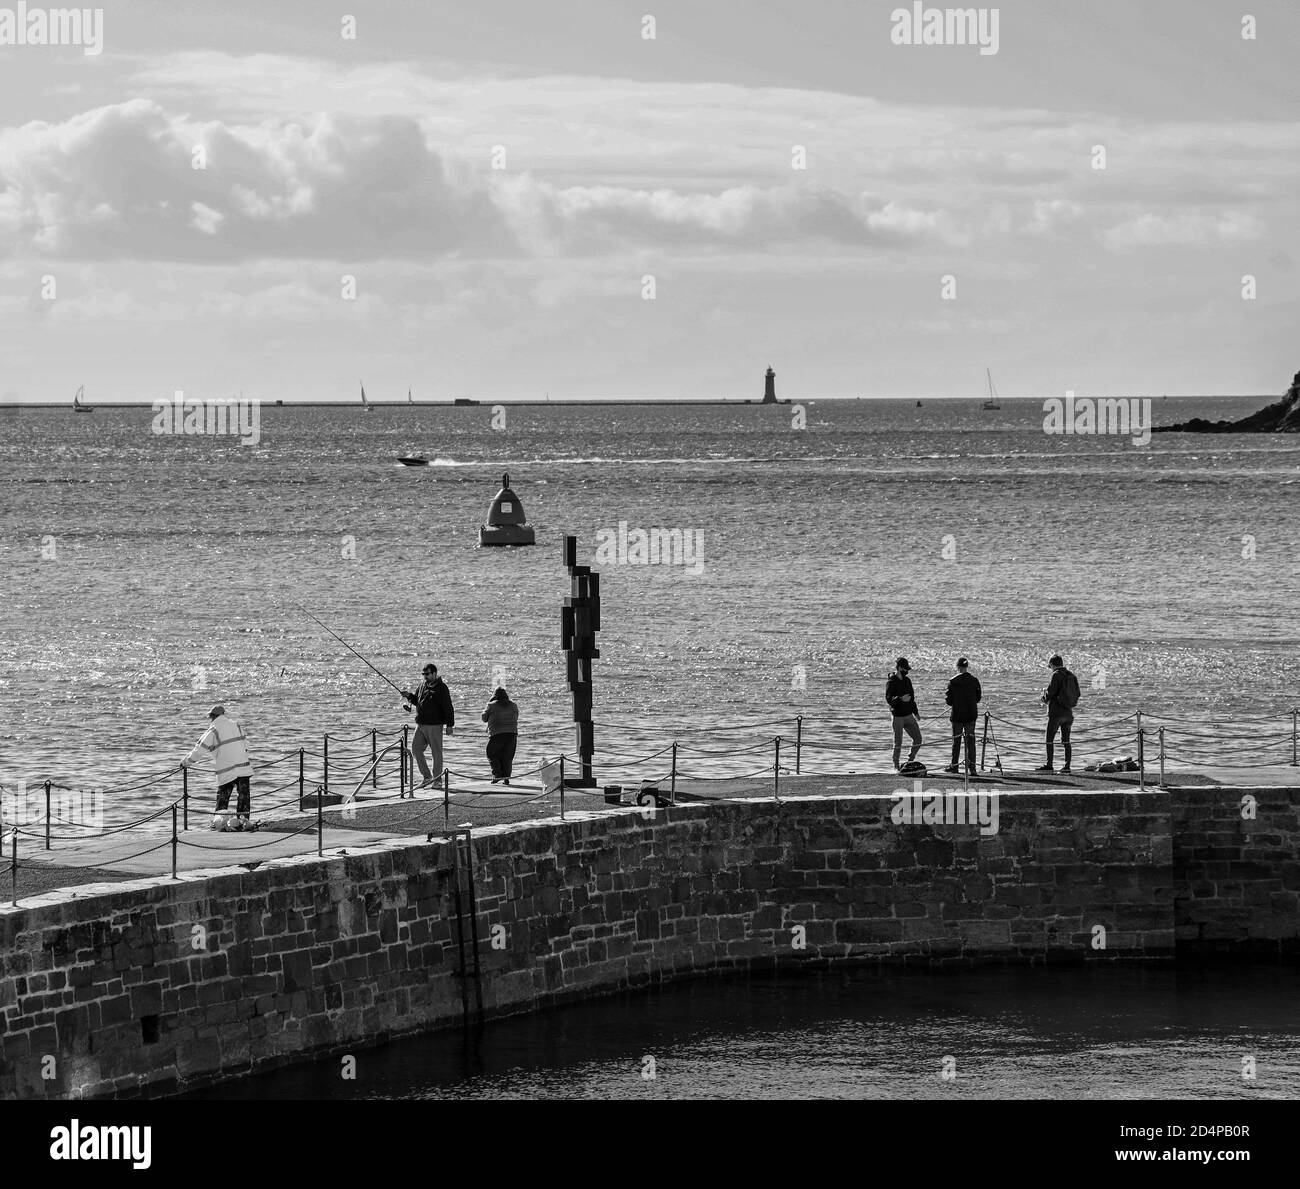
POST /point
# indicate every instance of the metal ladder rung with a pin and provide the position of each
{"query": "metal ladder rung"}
(458, 836)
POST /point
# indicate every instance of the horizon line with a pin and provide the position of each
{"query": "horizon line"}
(286, 402)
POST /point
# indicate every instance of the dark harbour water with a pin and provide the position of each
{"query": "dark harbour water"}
(1112, 1032)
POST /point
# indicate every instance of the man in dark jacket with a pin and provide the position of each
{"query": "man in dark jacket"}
(902, 705)
(433, 711)
(1061, 696)
(963, 696)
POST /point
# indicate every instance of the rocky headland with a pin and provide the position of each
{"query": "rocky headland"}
(1282, 416)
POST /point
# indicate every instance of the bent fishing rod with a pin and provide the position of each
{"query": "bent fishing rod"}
(353, 651)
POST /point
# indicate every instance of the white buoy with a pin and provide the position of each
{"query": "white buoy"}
(506, 522)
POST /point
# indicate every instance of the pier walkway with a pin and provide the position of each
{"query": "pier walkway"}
(87, 864)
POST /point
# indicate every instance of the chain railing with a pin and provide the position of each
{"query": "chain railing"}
(1180, 741)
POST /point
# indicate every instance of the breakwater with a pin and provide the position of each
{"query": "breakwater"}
(161, 983)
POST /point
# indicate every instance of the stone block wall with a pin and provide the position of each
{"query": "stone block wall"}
(155, 984)
(1237, 870)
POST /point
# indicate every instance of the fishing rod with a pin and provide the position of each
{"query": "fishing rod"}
(352, 650)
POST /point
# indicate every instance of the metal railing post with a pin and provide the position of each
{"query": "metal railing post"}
(401, 768)
(1162, 757)
(185, 798)
(776, 770)
(798, 742)
(446, 797)
(1142, 764)
(326, 754)
(174, 876)
(320, 822)
(673, 776)
(302, 787)
(14, 866)
(984, 742)
(47, 815)
(374, 758)
(561, 786)
(1293, 738)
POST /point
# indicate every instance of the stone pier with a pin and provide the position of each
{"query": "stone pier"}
(146, 986)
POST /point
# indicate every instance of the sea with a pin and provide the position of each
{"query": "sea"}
(149, 575)
(1108, 1032)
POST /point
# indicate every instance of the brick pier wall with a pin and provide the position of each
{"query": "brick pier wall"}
(1237, 871)
(162, 983)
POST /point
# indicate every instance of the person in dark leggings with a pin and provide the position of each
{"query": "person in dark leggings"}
(1060, 711)
(502, 718)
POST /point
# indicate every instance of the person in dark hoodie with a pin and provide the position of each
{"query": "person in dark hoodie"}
(433, 711)
(902, 705)
(963, 696)
(1061, 697)
(502, 718)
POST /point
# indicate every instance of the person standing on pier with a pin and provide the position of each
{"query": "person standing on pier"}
(224, 741)
(1062, 697)
(433, 711)
(963, 696)
(902, 705)
(502, 718)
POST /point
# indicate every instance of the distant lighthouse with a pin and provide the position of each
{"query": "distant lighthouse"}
(769, 387)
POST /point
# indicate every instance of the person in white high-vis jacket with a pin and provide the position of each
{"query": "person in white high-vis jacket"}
(224, 742)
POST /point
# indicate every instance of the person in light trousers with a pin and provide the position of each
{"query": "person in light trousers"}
(902, 705)
(433, 712)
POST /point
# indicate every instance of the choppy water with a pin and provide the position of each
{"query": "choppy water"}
(1113, 1032)
(823, 549)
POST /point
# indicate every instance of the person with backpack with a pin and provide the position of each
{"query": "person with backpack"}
(433, 712)
(902, 705)
(1062, 697)
(963, 696)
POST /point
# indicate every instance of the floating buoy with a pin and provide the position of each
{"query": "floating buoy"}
(506, 522)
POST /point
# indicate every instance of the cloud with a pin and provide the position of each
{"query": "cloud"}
(400, 171)
(1052, 216)
(119, 182)
(1194, 229)
(585, 219)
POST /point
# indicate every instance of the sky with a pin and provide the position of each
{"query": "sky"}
(541, 199)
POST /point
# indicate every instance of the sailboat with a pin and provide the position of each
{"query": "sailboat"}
(77, 406)
(992, 402)
(410, 400)
(365, 404)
